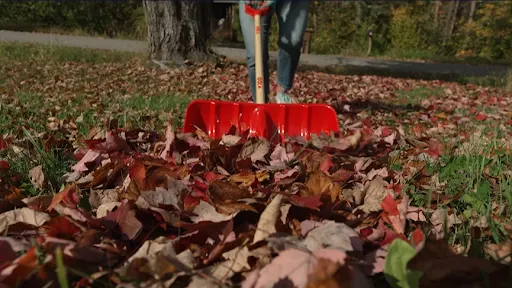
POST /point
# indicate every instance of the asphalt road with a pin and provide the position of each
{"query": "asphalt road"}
(236, 54)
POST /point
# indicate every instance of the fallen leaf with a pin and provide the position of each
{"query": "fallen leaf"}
(162, 196)
(245, 179)
(10, 248)
(99, 197)
(36, 176)
(329, 274)
(333, 235)
(294, 265)
(279, 156)
(374, 193)
(222, 191)
(396, 272)
(90, 156)
(268, 219)
(24, 215)
(501, 252)
(169, 140)
(312, 202)
(255, 149)
(318, 183)
(234, 207)
(206, 212)
(67, 196)
(124, 219)
(230, 140)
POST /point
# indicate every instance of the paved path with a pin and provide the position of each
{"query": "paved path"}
(236, 54)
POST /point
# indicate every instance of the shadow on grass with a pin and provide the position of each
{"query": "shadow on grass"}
(356, 106)
(497, 80)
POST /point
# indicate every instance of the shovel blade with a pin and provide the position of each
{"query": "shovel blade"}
(271, 121)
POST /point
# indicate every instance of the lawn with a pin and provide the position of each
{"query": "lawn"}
(83, 132)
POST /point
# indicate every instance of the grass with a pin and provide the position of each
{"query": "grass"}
(10, 51)
(482, 172)
(28, 112)
(416, 95)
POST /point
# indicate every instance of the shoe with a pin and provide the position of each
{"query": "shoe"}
(284, 98)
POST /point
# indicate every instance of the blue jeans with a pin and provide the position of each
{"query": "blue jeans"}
(292, 17)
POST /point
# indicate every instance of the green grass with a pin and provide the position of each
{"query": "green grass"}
(54, 162)
(416, 95)
(36, 52)
(152, 112)
(482, 173)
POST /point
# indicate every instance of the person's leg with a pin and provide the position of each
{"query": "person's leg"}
(247, 25)
(293, 17)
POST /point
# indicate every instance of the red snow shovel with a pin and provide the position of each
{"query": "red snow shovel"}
(272, 121)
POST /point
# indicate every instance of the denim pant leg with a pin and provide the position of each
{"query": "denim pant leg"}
(247, 25)
(292, 16)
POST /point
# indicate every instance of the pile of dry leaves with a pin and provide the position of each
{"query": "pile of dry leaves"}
(141, 210)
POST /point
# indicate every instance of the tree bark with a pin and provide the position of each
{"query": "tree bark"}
(453, 20)
(472, 11)
(358, 13)
(436, 13)
(177, 30)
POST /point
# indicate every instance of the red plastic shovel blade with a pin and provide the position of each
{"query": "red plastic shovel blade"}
(264, 120)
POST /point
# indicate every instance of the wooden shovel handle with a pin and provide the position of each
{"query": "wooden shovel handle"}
(258, 57)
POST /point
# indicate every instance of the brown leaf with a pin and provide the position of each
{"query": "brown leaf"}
(256, 149)
(67, 196)
(233, 207)
(245, 179)
(267, 223)
(222, 191)
(294, 265)
(206, 212)
(89, 238)
(330, 274)
(501, 252)
(318, 183)
(124, 219)
(24, 215)
(36, 176)
(100, 175)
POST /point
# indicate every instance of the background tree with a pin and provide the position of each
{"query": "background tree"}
(178, 30)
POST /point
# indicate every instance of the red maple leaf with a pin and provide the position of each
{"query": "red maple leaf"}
(312, 202)
(67, 196)
(3, 144)
(4, 165)
(417, 237)
(210, 176)
(189, 202)
(389, 205)
(138, 173)
(481, 117)
(326, 165)
(434, 148)
(61, 227)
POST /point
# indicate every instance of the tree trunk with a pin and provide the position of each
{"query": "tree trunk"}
(452, 17)
(436, 13)
(453, 20)
(177, 30)
(358, 13)
(472, 11)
